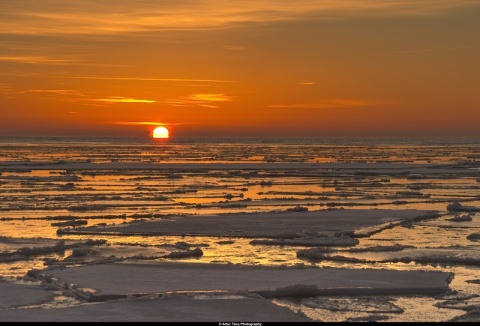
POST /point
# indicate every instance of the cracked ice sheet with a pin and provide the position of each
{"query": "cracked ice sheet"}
(176, 309)
(266, 225)
(112, 279)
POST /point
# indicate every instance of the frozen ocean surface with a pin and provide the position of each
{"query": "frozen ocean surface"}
(351, 208)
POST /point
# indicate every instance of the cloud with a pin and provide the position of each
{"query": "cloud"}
(152, 79)
(194, 85)
(120, 16)
(333, 103)
(52, 93)
(138, 123)
(7, 91)
(5, 88)
(203, 100)
(146, 123)
(35, 60)
(59, 92)
(119, 99)
(210, 97)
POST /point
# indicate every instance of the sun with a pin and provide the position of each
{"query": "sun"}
(160, 132)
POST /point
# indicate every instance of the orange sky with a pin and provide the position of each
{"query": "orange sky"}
(244, 68)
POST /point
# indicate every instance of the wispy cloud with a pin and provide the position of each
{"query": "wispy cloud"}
(120, 16)
(210, 97)
(138, 123)
(152, 79)
(7, 91)
(146, 123)
(50, 93)
(194, 85)
(71, 95)
(59, 92)
(120, 99)
(333, 103)
(203, 100)
(36, 60)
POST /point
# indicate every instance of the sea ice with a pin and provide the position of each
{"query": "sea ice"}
(164, 277)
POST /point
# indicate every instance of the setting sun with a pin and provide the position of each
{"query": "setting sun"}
(160, 132)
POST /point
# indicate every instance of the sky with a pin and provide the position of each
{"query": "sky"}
(206, 68)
